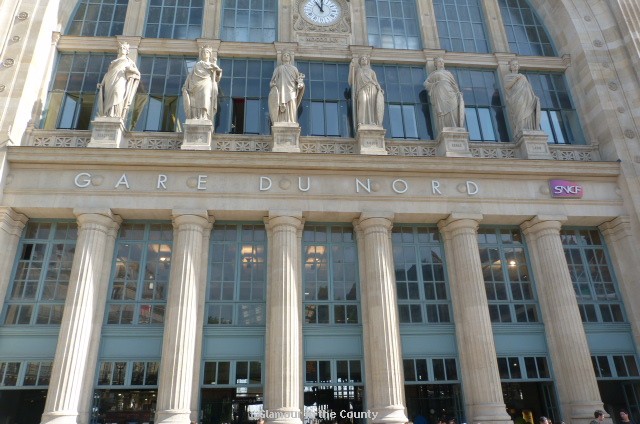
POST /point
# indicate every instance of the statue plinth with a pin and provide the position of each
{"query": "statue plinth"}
(197, 134)
(285, 137)
(453, 142)
(533, 144)
(370, 140)
(108, 132)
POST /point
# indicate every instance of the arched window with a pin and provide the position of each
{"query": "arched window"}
(407, 111)
(72, 94)
(559, 119)
(325, 105)
(174, 19)
(484, 112)
(98, 18)
(244, 94)
(158, 104)
(461, 26)
(393, 24)
(525, 33)
(249, 20)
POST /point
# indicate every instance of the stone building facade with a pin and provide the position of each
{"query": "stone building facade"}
(157, 270)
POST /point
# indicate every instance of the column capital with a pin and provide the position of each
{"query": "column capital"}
(617, 228)
(11, 221)
(191, 216)
(104, 217)
(541, 224)
(369, 220)
(459, 221)
(284, 218)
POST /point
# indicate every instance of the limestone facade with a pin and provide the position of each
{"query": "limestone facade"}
(370, 182)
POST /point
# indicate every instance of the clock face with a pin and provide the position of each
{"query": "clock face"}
(321, 12)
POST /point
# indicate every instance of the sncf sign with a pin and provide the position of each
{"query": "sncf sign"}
(565, 189)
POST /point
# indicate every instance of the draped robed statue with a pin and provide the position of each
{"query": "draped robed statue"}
(445, 97)
(287, 89)
(523, 104)
(200, 90)
(367, 95)
(119, 85)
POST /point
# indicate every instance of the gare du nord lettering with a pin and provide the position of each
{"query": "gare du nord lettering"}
(202, 182)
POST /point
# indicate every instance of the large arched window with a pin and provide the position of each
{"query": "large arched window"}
(73, 90)
(158, 104)
(174, 19)
(325, 105)
(525, 33)
(98, 18)
(461, 26)
(407, 111)
(249, 20)
(393, 24)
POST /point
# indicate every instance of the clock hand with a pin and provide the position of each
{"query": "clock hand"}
(322, 6)
(319, 7)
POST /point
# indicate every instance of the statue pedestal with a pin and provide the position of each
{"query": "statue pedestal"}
(370, 140)
(533, 144)
(286, 137)
(108, 132)
(197, 134)
(453, 142)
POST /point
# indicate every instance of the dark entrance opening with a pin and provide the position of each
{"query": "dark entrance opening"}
(526, 402)
(342, 404)
(124, 406)
(22, 406)
(434, 401)
(231, 405)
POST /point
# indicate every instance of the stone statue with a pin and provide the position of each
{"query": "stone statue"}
(445, 97)
(287, 89)
(523, 104)
(367, 95)
(200, 90)
(119, 85)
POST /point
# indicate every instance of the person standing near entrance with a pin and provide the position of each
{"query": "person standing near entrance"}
(625, 417)
(599, 417)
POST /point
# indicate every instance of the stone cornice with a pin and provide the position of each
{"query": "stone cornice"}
(21, 156)
(69, 43)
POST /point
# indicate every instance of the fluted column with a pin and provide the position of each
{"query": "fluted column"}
(202, 295)
(622, 246)
(11, 226)
(73, 359)
(181, 321)
(381, 330)
(283, 385)
(575, 380)
(478, 364)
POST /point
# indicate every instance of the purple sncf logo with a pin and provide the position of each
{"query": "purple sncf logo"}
(565, 189)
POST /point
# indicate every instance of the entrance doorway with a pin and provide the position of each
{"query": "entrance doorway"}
(22, 406)
(231, 406)
(434, 401)
(342, 404)
(526, 402)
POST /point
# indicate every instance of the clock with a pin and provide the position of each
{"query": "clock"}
(321, 12)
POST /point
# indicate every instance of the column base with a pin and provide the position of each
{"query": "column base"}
(59, 418)
(286, 137)
(370, 139)
(390, 414)
(533, 144)
(453, 142)
(582, 413)
(108, 132)
(489, 413)
(173, 417)
(197, 134)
